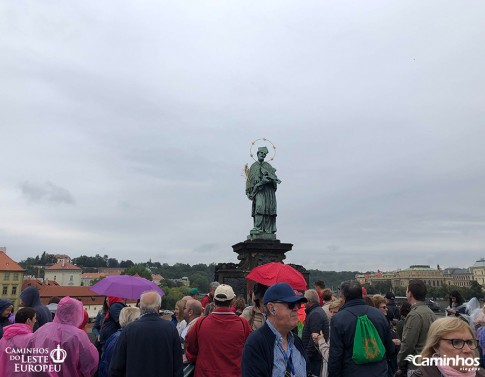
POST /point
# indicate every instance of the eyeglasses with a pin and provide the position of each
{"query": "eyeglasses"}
(291, 305)
(460, 343)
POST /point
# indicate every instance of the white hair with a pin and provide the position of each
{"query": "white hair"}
(312, 295)
(214, 285)
(151, 307)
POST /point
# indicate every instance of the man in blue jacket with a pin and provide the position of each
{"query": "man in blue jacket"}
(342, 332)
(273, 350)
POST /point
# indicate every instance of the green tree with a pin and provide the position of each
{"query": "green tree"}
(476, 290)
(172, 295)
(200, 281)
(139, 269)
(126, 264)
(113, 262)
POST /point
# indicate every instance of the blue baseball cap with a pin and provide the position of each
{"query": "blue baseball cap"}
(282, 292)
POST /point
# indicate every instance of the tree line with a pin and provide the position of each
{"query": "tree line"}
(200, 275)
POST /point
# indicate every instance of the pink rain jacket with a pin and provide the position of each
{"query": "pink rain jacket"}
(14, 336)
(82, 357)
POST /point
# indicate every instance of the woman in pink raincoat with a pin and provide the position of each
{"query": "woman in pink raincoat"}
(81, 357)
(15, 336)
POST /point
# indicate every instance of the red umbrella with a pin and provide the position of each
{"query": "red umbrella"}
(271, 273)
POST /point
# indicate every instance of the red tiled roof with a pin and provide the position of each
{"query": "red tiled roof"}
(61, 291)
(157, 277)
(8, 264)
(63, 266)
(36, 283)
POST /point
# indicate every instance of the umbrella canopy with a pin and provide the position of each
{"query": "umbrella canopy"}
(271, 273)
(125, 286)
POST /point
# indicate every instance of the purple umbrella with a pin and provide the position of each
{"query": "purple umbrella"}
(125, 286)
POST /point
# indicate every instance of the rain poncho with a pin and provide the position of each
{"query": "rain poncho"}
(15, 336)
(30, 297)
(82, 357)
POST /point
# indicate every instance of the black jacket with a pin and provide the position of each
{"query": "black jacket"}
(148, 347)
(316, 320)
(111, 323)
(342, 332)
(258, 353)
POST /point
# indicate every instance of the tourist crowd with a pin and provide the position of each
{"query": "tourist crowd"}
(284, 333)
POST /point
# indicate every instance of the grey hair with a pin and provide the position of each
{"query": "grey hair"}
(128, 315)
(213, 285)
(312, 295)
(153, 307)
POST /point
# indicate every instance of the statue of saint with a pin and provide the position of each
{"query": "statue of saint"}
(261, 187)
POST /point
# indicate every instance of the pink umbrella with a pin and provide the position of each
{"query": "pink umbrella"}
(271, 273)
(125, 286)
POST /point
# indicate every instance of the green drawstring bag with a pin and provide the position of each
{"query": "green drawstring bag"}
(368, 346)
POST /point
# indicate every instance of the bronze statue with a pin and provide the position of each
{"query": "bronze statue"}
(261, 188)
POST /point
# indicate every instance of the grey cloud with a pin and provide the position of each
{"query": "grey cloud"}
(46, 192)
(207, 248)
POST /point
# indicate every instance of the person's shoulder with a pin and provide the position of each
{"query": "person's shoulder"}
(260, 336)
(263, 333)
(247, 310)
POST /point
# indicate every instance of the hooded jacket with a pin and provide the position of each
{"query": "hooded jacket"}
(31, 298)
(81, 355)
(15, 336)
(4, 321)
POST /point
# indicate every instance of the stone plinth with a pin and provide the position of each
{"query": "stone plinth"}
(252, 253)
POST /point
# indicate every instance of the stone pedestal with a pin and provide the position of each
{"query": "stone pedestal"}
(252, 253)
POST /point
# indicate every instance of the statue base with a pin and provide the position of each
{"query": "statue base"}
(252, 253)
(255, 235)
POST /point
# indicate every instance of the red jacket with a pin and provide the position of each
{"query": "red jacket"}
(206, 300)
(215, 343)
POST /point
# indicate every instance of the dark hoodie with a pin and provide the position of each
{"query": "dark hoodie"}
(4, 304)
(30, 298)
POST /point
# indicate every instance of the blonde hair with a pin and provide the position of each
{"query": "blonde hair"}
(128, 315)
(439, 329)
(336, 304)
(179, 306)
(377, 300)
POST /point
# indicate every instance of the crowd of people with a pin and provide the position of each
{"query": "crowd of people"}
(283, 333)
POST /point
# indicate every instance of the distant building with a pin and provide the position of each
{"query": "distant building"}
(92, 301)
(433, 277)
(111, 270)
(11, 277)
(64, 273)
(460, 277)
(157, 279)
(184, 281)
(88, 278)
(62, 258)
(478, 271)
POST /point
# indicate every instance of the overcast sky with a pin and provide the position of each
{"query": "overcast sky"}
(125, 126)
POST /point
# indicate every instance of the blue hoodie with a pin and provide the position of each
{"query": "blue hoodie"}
(30, 298)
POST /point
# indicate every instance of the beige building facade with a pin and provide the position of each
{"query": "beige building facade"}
(11, 277)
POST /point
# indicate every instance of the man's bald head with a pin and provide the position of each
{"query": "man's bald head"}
(193, 309)
(150, 302)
